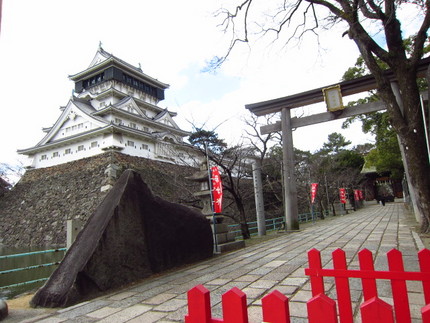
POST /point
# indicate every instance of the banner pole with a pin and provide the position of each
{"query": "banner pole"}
(211, 201)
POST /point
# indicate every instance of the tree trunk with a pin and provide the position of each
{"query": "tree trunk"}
(243, 223)
(245, 230)
(409, 126)
(419, 175)
(404, 111)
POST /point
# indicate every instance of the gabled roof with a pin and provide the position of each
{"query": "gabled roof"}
(103, 55)
(167, 115)
(129, 100)
(117, 107)
(74, 106)
(62, 141)
(156, 121)
(164, 112)
(103, 59)
(112, 91)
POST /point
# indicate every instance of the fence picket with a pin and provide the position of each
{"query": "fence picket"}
(425, 314)
(398, 287)
(365, 259)
(376, 310)
(321, 309)
(275, 308)
(234, 306)
(199, 305)
(424, 260)
(342, 287)
(317, 282)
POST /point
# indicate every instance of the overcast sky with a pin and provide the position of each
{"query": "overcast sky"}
(43, 42)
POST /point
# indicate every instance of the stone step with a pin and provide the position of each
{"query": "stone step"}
(225, 237)
(229, 246)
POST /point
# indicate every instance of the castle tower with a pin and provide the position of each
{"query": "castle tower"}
(113, 107)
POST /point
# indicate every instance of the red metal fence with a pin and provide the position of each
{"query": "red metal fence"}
(320, 307)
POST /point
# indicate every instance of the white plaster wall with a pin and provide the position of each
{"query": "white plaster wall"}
(58, 155)
(137, 149)
(177, 156)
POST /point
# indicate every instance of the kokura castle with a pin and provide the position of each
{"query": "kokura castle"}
(113, 107)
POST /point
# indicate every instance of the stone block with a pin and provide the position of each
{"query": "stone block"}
(229, 246)
(220, 228)
(225, 237)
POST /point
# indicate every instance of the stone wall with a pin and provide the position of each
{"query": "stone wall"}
(35, 211)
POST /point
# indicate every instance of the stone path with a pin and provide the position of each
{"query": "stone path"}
(274, 264)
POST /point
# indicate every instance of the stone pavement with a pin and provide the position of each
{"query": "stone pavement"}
(277, 263)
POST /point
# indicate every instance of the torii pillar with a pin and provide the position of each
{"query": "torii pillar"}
(289, 180)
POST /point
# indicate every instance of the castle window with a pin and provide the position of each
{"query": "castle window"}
(67, 151)
(146, 129)
(80, 147)
(145, 147)
(44, 157)
(133, 125)
(94, 144)
(93, 80)
(55, 154)
(74, 127)
(130, 143)
(118, 121)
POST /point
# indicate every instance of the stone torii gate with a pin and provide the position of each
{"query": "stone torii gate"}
(287, 124)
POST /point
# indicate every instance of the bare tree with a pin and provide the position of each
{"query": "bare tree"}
(260, 143)
(235, 166)
(297, 18)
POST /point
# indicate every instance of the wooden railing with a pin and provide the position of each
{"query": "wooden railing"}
(320, 307)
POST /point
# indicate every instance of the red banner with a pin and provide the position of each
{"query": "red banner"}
(216, 190)
(314, 189)
(360, 193)
(357, 195)
(342, 195)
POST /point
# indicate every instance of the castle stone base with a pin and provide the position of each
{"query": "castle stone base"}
(36, 210)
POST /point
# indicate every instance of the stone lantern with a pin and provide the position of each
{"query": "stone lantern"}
(223, 240)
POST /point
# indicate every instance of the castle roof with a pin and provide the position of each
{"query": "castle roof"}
(103, 60)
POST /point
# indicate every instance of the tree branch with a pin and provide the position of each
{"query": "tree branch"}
(421, 37)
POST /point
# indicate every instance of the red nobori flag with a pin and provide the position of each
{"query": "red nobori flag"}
(357, 195)
(342, 195)
(216, 190)
(314, 189)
